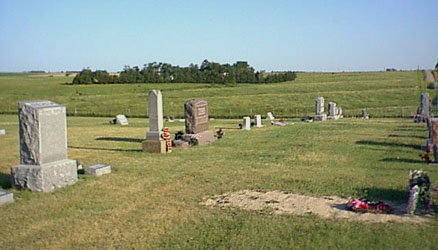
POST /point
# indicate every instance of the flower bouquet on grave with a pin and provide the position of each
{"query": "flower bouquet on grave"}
(219, 133)
(166, 137)
(426, 157)
(419, 185)
(364, 206)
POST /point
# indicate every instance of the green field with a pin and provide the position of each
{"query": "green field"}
(151, 201)
(384, 94)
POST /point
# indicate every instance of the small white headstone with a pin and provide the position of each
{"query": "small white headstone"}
(6, 197)
(269, 116)
(97, 169)
(246, 123)
(121, 119)
(2, 131)
(258, 121)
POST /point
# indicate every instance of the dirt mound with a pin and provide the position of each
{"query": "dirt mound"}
(326, 207)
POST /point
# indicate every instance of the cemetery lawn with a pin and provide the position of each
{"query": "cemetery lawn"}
(389, 94)
(152, 201)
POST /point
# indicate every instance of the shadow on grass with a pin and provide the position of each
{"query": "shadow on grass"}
(107, 149)
(119, 139)
(402, 160)
(409, 136)
(388, 144)
(5, 181)
(385, 194)
(410, 129)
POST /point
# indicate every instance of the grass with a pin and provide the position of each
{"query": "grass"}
(151, 201)
(384, 94)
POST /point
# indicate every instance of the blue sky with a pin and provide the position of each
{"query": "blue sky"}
(271, 35)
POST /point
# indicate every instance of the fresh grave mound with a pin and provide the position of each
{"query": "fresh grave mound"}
(326, 207)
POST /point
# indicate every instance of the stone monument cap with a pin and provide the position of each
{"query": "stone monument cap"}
(40, 104)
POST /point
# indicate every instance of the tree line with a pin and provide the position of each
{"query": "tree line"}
(207, 72)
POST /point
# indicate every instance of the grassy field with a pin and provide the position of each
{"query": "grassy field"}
(384, 94)
(152, 201)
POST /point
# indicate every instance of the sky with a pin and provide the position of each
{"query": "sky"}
(343, 35)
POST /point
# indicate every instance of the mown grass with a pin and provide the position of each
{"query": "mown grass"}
(384, 94)
(151, 201)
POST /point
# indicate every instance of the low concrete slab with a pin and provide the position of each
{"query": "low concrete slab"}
(6, 197)
(97, 169)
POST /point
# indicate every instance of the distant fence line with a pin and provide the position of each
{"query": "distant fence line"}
(237, 113)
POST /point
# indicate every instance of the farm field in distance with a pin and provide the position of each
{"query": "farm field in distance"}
(384, 94)
(152, 201)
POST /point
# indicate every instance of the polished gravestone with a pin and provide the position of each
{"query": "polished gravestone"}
(196, 122)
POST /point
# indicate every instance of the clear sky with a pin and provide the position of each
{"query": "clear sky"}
(270, 35)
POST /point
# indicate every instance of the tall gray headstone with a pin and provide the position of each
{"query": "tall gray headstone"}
(155, 101)
(364, 114)
(154, 142)
(43, 148)
(319, 109)
(425, 106)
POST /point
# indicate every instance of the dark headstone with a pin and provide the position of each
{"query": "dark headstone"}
(196, 116)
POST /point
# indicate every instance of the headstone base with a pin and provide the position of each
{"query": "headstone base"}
(335, 117)
(46, 177)
(97, 169)
(6, 197)
(181, 144)
(322, 117)
(154, 146)
(203, 138)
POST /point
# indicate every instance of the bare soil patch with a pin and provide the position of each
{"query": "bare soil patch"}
(329, 207)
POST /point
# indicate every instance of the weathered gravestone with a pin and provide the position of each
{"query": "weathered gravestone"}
(319, 109)
(258, 121)
(425, 107)
(270, 116)
(364, 114)
(433, 141)
(196, 121)
(154, 142)
(43, 148)
(97, 169)
(334, 112)
(122, 120)
(2, 131)
(429, 76)
(6, 197)
(246, 123)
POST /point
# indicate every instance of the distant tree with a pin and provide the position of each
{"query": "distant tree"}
(207, 72)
